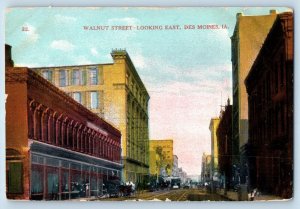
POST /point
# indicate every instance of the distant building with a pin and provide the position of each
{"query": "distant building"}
(182, 175)
(270, 86)
(246, 41)
(113, 91)
(213, 126)
(175, 166)
(161, 157)
(55, 147)
(206, 168)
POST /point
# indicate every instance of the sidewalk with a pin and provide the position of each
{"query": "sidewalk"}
(233, 196)
(230, 195)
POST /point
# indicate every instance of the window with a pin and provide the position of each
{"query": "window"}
(77, 96)
(63, 78)
(94, 100)
(37, 182)
(94, 76)
(76, 77)
(15, 175)
(47, 74)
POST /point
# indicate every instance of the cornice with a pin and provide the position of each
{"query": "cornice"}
(26, 75)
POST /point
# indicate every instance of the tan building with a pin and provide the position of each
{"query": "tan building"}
(213, 126)
(161, 157)
(116, 93)
(246, 41)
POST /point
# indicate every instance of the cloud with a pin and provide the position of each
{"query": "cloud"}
(82, 60)
(94, 52)
(62, 45)
(138, 60)
(64, 19)
(31, 33)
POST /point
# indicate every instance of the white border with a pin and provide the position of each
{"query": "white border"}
(4, 203)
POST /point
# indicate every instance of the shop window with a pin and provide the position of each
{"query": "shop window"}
(64, 184)
(52, 183)
(76, 184)
(37, 176)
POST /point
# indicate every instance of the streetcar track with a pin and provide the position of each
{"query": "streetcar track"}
(182, 196)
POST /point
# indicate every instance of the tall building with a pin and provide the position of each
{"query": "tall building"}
(55, 147)
(213, 126)
(246, 41)
(161, 157)
(270, 86)
(115, 92)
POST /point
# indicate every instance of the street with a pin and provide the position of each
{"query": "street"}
(171, 195)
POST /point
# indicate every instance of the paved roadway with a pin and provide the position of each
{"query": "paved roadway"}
(171, 195)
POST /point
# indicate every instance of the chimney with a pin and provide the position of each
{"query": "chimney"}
(8, 61)
(238, 15)
(273, 12)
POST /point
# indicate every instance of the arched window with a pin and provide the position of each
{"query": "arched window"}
(75, 139)
(37, 123)
(44, 122)
(50, 128)
(79, 139)
(31, 108)
(64, 126)
(70, 134)
(58, 130)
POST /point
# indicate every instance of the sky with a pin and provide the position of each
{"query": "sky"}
(187, 72)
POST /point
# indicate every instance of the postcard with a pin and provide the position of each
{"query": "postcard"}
(149, 103)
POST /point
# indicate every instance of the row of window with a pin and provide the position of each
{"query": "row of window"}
(93, 96)
(58, 183)
(78, 77)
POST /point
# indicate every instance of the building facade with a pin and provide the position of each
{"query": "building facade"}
(161, 157)
(246, 41)
(115, 92)
(175, 166)
(55, 147)
(205, 168)
(270, 94)
(214, 171)
(182, 175)
(228, 149)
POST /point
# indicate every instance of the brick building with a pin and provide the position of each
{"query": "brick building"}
(228, 149)
(270, 95)
(55, 147)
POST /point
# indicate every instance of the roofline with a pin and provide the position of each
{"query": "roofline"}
(65, 66)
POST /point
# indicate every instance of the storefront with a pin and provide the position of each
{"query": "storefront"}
(58, 174)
